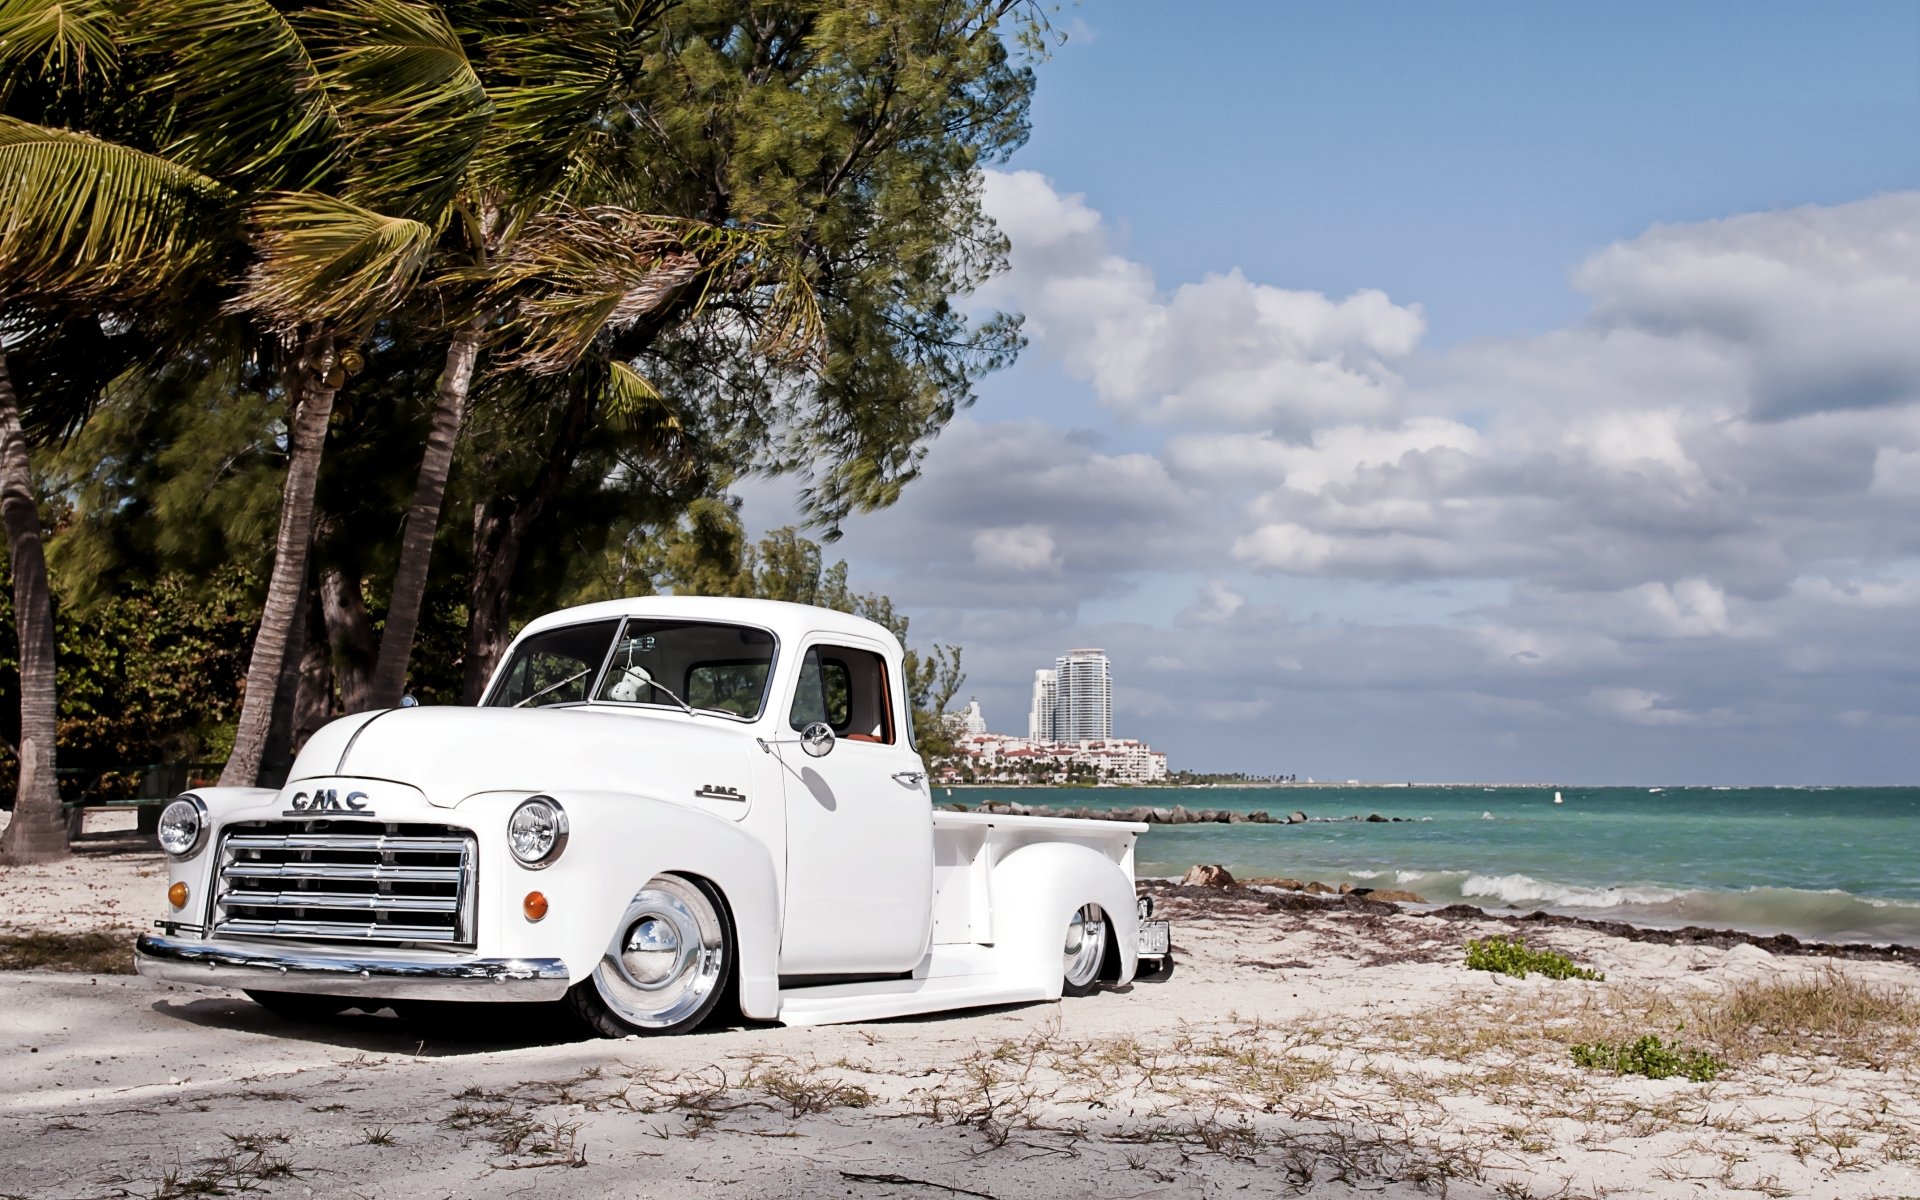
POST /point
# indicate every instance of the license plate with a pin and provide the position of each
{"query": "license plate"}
(1155, 938)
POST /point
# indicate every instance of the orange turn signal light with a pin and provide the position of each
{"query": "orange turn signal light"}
(535, 905)
(177, 895)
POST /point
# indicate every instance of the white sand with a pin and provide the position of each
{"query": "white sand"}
(1327, 1054)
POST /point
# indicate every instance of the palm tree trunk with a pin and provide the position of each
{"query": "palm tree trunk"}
(307, 438)
(38, 832)
(501, 524)
(423, 520)
(343, 609)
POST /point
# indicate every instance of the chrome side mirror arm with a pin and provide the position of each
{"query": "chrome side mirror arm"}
(816, 739)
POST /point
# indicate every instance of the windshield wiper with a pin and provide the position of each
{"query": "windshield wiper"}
(552, 688)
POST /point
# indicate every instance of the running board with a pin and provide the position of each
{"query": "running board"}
(952, 977)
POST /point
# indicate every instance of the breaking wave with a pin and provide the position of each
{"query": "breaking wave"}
(1823, 915)
(1524, 889)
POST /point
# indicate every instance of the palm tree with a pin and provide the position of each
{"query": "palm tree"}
(549, 275)
(86, 224)
(337, 133)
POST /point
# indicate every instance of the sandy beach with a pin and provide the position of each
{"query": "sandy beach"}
(1302, 1047)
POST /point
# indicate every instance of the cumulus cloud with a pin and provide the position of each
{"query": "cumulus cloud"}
(1020, 548)
(1687, 519)
(1223, 349)
(1818, 299)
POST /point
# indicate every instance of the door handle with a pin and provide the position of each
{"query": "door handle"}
(910, 778)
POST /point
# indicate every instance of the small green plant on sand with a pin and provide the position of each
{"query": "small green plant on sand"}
(1506, 957)
(1650, 1057)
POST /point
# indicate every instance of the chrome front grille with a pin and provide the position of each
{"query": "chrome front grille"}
(346, 880)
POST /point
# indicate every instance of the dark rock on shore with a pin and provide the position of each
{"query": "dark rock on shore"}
(1179, 814)
(1693, 935)
(1388, 895)
(1208, 875)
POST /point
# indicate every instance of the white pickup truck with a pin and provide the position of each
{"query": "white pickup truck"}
(661, 804)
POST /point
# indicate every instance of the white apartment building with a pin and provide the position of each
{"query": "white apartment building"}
(1082, 697)
(1040, 712)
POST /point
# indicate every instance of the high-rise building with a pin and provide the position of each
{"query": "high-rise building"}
(1040, 713)
(1082, 696)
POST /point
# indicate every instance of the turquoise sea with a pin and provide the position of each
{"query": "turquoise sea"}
(1833, 864)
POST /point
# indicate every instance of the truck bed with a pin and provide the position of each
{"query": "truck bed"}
(967, 845)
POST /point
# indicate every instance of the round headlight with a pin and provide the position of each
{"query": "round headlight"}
(537, 832)
(183, 826)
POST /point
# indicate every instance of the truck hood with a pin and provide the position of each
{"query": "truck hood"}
(453, 753)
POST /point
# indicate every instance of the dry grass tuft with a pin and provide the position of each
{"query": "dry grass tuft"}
(1830, 1013)
(90, 953)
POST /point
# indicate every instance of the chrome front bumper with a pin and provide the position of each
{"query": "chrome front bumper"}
(343, 973)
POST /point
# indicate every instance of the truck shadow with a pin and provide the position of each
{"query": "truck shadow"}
(427, 1032)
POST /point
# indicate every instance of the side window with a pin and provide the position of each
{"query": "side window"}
(848, 690)
(809, 704)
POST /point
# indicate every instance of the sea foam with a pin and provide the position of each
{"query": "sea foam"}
(1524, 889)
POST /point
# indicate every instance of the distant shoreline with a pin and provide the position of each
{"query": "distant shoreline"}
(1386, 785)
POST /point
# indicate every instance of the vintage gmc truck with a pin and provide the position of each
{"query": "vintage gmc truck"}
(661, 804)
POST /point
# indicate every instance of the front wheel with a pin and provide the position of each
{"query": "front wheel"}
(667, 965)
(1086, 950)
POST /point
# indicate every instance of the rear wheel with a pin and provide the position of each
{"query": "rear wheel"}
(1085, 951)
(667, 965)
(300, 1006)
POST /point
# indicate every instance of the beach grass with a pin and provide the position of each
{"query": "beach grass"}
(1825, 1013)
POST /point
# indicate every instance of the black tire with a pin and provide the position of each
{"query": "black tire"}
(609, 1002)
(1154, 970)
(300, 1006)
(1085, 951)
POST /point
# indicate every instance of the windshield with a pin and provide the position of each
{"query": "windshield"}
(642, 660)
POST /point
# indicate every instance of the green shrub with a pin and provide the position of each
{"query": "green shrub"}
(1650, 1057)
(1513, 958)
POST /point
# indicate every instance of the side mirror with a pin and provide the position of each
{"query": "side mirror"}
(817, 739)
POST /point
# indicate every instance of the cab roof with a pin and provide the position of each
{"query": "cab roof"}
(786, 621)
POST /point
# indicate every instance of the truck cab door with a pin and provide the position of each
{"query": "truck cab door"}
(859, 823)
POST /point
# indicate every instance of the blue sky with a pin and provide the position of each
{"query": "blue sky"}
(1487, 391)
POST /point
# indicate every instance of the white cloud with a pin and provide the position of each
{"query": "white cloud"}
(1690, 608)
(1222, 349)
(1638, 706)
(1896, 472)
(1022, 548)
(1820, 299)
(1689, 518)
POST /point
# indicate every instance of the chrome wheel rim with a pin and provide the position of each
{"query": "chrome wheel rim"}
(667, 956)
(1086, 945)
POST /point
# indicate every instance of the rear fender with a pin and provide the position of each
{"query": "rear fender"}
(1035, 890)
(617, 842)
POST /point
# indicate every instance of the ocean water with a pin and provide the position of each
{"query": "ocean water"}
(1832, 864)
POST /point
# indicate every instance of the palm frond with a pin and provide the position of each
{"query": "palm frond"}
(320, 259)
(633, 405)
(553, 69)
(412, 109)
(84, 217)
(62, 38)
(248, 102)
(575, 274)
